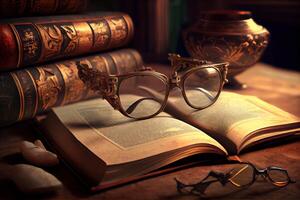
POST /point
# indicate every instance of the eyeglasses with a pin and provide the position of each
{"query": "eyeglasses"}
(132, 94)
(242, 176)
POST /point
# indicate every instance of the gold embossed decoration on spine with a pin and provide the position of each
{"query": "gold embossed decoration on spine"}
(29, 43)
(57, 40)
(40, 41)
(101, 33)
(25, 93)
(48, 88)
(118, 29)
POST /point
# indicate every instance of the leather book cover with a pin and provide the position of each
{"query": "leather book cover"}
(28, 92)
(28, 41)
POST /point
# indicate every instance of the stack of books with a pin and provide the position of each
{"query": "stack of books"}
(39, 55)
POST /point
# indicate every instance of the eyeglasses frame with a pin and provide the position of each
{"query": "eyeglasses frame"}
(200, 187)
(109, 85)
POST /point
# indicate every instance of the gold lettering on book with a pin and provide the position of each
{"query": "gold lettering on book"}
(30, 45)
(48, 88)
(101, 33)
(52, 40)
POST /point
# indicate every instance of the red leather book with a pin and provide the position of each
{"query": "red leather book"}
(28, 41)
(28, 92)
(15, 8)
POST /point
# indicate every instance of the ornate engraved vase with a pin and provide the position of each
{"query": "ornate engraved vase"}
(231, 36)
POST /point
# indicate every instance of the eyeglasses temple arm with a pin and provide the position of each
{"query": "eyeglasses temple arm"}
(153, 93)
(199, 187)
(207, 93)
(132, 107)
(202, 186)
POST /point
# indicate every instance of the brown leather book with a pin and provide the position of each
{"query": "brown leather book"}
(15, 8)
(28, 41)
(25, 93)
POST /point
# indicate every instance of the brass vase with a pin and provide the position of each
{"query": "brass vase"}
(231, 36)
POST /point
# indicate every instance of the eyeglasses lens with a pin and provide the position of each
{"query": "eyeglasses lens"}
(242, 175)
(202, 87)
(135, 98)
(278, 177)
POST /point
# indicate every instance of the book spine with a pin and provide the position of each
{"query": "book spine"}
(34, 41)
(15, 8)
(28, 92)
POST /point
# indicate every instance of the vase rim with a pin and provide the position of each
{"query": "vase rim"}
(225, 15)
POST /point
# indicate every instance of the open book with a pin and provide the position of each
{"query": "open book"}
(105, 148)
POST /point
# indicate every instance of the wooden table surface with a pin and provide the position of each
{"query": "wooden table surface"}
(276, 86)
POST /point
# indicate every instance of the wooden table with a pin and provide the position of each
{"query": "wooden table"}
(274, 85)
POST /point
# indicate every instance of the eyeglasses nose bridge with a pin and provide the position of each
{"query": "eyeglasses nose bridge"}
(264, 174)
(265, 177)
(175, 81)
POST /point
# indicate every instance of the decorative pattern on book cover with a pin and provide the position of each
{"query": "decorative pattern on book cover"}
(25, 93)
(37, 40)
(14, 8)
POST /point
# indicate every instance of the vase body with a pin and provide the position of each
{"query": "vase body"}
(231, 36)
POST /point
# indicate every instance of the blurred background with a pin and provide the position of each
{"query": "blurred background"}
(159, 24)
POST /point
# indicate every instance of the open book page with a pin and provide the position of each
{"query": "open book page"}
(276, 124)
(117, 139)
(235, 118)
